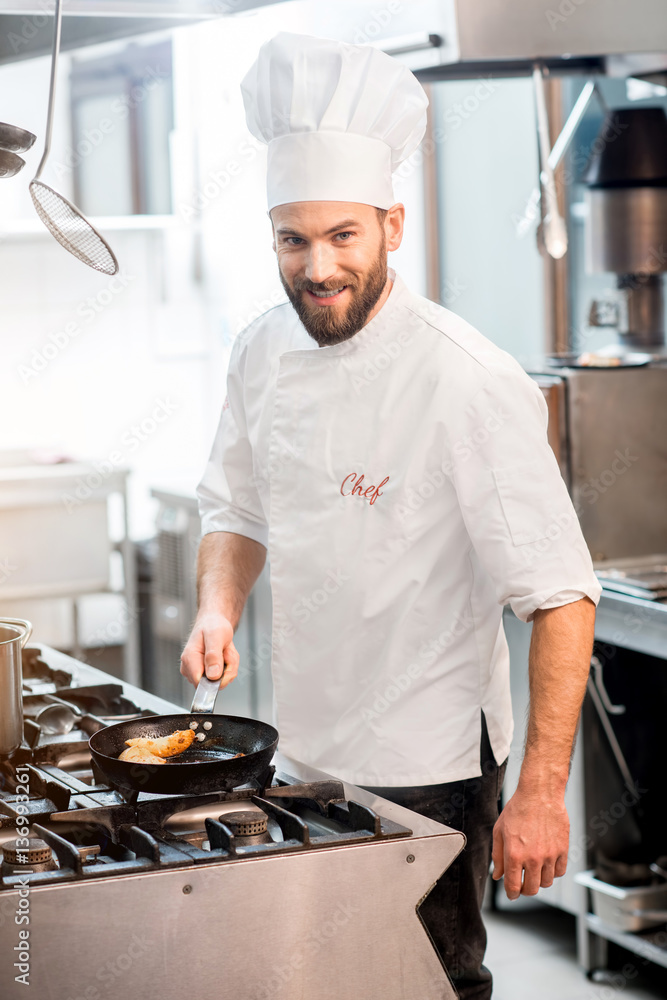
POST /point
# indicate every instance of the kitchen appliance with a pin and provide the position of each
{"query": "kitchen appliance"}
(626, 223)
(14, 633)
(607, 429)
(435, 37)
(292, 884)
(63, 220)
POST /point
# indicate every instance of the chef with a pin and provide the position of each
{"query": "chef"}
(394, 464)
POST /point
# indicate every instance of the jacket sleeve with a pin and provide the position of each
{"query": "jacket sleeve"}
(514, 503)
(227, 494)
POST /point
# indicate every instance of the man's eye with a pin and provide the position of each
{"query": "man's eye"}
(297, 238)
(344, 234)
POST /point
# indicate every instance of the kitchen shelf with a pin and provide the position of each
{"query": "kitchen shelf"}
(642, 943)
(54, 551)
(632, 623)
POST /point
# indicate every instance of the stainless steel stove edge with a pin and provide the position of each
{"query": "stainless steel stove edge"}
(275, 927)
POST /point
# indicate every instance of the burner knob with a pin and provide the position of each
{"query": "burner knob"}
(245, 823)
(37, 852)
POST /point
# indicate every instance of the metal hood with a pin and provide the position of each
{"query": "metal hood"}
(464, 38)
(26, 25)
(436, 38)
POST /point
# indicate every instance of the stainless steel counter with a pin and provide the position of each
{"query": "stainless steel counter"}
(632, 623)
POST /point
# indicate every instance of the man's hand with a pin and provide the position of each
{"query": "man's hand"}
(530, 842)
(210, 649)
(227, 567)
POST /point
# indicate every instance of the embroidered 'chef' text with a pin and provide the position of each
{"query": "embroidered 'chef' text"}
(356, 488)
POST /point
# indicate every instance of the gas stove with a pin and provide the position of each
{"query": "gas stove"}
(274, 889)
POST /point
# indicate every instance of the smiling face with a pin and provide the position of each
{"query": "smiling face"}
(332, 260)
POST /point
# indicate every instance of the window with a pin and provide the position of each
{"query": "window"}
(122, 116)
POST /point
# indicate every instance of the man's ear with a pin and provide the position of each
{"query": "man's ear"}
(393, 226)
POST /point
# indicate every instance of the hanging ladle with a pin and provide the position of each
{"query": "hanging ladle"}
(63, 220)
(16, 140)
(10, 163)
(13, 140)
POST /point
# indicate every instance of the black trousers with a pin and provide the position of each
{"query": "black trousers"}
(452, 910)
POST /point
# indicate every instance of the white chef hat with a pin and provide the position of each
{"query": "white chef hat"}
(338, 119)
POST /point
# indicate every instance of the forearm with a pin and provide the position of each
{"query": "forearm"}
(227, 567)
(559, 663)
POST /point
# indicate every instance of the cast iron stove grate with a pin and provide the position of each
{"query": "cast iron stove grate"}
(95, 831)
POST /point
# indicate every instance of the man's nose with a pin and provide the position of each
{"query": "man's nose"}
(320, 263)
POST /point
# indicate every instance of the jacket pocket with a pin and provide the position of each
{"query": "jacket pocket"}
(524, 497)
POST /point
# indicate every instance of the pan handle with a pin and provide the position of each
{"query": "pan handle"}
(205, 695)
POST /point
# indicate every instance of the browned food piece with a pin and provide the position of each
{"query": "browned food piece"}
(238, 755)
(165, 746)
(140, 755)
(590, 358)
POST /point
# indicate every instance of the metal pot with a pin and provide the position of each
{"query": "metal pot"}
(14, 633)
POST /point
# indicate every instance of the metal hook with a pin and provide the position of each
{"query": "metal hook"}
(602, 691)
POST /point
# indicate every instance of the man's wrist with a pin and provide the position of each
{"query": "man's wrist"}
(215, 611)
(543, 780)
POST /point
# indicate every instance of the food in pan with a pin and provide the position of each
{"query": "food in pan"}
(147, 750)
(593, 360)
(165, 746)
(140, 755)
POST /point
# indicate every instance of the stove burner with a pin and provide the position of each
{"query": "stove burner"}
(246, 823)
(249, 827)
(83, 828)
(37, 856)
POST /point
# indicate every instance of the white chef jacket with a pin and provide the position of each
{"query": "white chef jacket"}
(404, 486)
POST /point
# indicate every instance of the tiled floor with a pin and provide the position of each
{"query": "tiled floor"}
(532, 955)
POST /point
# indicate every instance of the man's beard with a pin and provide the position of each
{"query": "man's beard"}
(327, 324)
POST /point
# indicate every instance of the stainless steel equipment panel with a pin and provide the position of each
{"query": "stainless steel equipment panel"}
(618, 459)
(612, 449)
(317, 924)
(494, 29)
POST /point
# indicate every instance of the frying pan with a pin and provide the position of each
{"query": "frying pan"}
(204, 767)
(570, 360)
